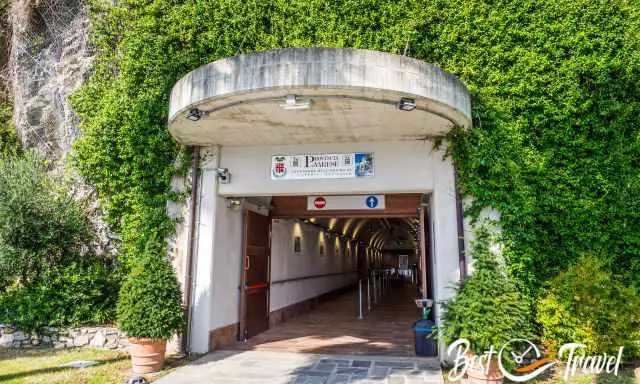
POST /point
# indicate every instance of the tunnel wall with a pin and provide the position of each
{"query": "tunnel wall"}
(313, 273)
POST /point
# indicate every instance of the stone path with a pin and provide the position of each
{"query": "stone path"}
(303, 368)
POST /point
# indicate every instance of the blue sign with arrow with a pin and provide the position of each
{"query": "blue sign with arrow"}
(372, 201)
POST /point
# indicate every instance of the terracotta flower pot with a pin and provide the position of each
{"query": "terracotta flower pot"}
(478, 375)
(147, 355)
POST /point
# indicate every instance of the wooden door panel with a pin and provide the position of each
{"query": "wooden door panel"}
(255, 277)
(257, 311)
(256, 264)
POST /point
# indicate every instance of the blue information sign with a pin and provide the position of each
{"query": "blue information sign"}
(372, 201)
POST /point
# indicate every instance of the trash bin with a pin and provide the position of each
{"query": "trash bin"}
(425, 344)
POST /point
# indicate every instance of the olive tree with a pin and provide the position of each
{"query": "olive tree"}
(41, 225)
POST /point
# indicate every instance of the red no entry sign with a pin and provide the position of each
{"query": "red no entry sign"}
(320, 202)
(345, 202)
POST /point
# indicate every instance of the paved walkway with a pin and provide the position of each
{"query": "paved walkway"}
(302, 368)
(326, 345)
(333, 327)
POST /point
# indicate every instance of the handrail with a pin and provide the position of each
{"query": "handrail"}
(312, 277)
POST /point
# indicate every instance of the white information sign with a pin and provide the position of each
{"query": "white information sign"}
(349, 202)
(322, 166)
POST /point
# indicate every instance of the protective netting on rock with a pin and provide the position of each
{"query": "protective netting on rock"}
(5, 36)
(50, 58)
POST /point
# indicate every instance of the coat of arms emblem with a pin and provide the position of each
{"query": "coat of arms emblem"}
(279, 168)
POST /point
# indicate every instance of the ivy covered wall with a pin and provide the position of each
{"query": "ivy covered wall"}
(556, 98)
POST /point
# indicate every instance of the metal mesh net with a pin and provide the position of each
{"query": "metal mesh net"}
(49, 59)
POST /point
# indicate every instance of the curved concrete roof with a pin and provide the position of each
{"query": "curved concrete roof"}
(352, 93)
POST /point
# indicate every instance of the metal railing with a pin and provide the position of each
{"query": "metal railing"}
(377, 285)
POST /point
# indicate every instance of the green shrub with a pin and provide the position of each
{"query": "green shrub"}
(72, 295)
(487, 309)
(150, 303)
(590, 305)
(48, 273)
(41, 225)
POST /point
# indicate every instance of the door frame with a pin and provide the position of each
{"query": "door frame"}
(242, 318)
(397, 205)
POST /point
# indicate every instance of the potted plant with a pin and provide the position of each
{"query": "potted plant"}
(150, 310)
(487, 310)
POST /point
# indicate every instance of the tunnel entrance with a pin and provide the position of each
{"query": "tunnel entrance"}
(341, 279)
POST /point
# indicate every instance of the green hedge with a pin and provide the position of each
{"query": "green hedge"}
(556, 100)
(76, 294)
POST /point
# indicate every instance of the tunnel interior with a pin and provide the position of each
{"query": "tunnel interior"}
(343, 285)
(380, 241)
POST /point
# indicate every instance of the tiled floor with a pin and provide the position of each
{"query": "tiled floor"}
(276, 367)
(333, 327)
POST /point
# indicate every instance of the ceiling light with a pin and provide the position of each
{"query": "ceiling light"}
(407, 104)
(234, 203)
(293, 102)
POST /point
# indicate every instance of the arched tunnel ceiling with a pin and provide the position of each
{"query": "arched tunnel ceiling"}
(398, 233)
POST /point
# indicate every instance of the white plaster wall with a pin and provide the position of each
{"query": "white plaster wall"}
(286, 264)
(444, 230)
(404, 166)
(217, 258)
(203, 272)
(227, 265)
(488, 215)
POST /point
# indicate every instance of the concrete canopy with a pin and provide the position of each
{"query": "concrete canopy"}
(333, 94)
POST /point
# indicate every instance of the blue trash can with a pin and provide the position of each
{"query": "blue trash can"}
(425, 344)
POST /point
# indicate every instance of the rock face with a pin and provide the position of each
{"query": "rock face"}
(50, 58)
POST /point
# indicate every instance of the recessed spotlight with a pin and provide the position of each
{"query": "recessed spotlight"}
(194, 114)
(292, 102)
(234, 203)
(407, 104)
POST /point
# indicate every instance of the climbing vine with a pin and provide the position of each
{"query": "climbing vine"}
(555, 145)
